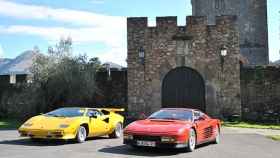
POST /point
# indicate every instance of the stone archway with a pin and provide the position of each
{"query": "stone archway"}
(183, 87)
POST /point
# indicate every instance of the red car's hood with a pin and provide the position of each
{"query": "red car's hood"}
(157, 126)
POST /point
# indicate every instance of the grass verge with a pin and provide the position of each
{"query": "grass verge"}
(9, 124)
(275, 137)
(251, 125)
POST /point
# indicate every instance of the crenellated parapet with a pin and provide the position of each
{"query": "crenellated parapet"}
(171, 22)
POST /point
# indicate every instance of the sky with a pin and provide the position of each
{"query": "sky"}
(97, 27)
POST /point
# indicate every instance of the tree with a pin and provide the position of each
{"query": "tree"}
(65, 79)
(59, 79)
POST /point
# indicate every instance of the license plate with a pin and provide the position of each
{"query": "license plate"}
(146, 143)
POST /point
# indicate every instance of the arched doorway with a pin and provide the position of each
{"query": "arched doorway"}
(183, 87)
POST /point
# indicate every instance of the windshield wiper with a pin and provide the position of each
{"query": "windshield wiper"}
(55, 115)
(165, 118)
(153, 118)
(170, 118)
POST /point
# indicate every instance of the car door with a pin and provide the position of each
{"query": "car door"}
(204, 130)
(98, 124)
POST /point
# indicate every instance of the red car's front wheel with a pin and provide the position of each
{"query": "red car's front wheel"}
(192, 140)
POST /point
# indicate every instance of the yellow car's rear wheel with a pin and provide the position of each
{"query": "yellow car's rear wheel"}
(81, 134)
(117, 133)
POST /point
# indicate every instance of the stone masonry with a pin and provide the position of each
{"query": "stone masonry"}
(196, 45)
(251, 21)
(260, 93)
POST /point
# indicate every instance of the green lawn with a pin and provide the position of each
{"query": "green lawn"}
(9, 124)
(251, 125)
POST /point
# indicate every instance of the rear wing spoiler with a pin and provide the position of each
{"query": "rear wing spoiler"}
(113, 109)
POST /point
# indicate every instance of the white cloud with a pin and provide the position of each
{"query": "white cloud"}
(1, 51)
(111, 37)
(76, 17)
(90, 27)
(114, 39)
(116, 54)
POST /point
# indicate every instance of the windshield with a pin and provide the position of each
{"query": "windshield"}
(66, 112)
(172, 115)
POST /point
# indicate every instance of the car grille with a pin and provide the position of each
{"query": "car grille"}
(147, 138)
(46, 133)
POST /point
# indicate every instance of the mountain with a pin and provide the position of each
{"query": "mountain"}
(277, 62)
(20, 65)
(4, 61)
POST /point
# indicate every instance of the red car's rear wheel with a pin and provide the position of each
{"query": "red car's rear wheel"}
(217, 135)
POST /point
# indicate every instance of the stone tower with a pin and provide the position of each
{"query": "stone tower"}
(251, 21)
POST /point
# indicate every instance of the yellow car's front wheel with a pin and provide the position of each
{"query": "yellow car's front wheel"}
(117, 133)
(81, 134)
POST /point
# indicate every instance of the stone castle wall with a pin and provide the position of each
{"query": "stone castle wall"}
(260, 91)
(251, 21)
(113, 89)
(197, 46)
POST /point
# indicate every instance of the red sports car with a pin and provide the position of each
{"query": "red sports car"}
(173, 128)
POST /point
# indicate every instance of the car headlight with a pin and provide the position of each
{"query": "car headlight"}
(128, 136)
(27, 124)
(168, 139)
(63, 126)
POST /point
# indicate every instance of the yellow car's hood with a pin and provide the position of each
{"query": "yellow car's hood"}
(49, 123)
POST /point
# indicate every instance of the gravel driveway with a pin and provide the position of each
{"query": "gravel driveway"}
(233, 145)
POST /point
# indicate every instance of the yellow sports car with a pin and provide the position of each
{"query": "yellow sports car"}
(74, 123)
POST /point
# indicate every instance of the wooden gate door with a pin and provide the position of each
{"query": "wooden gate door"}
(183, 88)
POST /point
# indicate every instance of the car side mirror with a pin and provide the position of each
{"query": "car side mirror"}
(199, 119)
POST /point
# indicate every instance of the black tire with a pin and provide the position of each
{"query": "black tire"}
(81, 134)
(135, 147)
(191, 141)
(35, 140)
(217, 135)
(117, 133)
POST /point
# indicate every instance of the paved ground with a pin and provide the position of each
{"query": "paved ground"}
(265, 132)
(233, 145)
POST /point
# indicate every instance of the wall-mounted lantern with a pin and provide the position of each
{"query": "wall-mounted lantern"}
(224, 51)
(223, 54)
(142, 55)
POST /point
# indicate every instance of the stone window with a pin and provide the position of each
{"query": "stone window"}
(183, 48)
(220, 4)
(183, 54)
